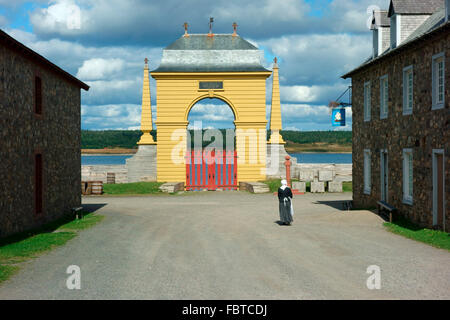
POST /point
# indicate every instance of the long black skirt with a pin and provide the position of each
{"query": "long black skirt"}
(285, 211)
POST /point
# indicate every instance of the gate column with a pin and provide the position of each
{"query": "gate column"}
(171, 150)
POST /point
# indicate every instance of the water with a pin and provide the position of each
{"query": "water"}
(104, 160)
(301, 158)
(338, 158)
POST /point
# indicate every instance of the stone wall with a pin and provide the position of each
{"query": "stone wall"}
(422, 131)
(55, 134)
(99, 173)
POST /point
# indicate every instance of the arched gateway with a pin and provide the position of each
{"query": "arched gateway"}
(199, 66)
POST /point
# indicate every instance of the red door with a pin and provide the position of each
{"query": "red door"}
(211, 170)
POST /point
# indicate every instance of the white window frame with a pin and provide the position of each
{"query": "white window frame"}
(367, 171)
(435, 195)
(367, 101)
(408, 96)
(384, 97)
(436, 103)
(408, 176)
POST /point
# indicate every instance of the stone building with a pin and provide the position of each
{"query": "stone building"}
(401, 116)
(40, 139)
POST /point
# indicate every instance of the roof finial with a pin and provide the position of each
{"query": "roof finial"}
(211, 20)
(235, 25)
(186, 29)
(146, 62)
(275, 60)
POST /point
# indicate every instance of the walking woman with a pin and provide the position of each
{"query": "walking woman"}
(285, 199)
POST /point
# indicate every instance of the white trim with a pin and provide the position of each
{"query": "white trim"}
(434, 165)
(407, 199)
(435, 104)
(406, 109)
(380, 41)
(383, 191)
(384, 115)
(398, 27)
(369, 116)
(367, 183)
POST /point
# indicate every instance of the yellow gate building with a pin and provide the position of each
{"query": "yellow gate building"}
(222, 66)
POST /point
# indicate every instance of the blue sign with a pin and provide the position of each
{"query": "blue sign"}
(338, 117)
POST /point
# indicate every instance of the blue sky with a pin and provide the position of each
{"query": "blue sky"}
(316, 41)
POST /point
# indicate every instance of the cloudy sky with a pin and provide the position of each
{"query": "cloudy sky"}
(104, 43)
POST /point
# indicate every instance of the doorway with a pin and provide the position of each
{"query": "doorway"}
(438, 188)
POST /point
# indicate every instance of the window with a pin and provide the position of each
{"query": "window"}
(367, 101)
(384, 97)
(408, 97)
(37, 95)
(438, 84)
(38, 183)
(407, 176)
(367, 171)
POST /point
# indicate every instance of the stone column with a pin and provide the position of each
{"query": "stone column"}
(146, 119)
(142, 166)
(275, 113)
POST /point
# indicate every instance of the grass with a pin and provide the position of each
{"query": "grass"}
(347, 186)
(435, 238)
(132, 188)
(25, 246)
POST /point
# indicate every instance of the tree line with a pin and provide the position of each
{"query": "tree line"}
(92, 139)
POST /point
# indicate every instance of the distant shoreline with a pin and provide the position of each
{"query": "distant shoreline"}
(131, 152)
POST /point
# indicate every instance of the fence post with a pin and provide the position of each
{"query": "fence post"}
(287, 163)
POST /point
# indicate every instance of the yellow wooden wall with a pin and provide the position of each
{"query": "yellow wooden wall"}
(178, 92)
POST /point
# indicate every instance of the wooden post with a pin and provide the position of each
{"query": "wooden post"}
(287, 163)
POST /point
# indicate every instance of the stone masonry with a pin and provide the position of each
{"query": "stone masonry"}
(423, 131)
(55, 133)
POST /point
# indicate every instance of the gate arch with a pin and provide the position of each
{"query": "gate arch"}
(225, 67)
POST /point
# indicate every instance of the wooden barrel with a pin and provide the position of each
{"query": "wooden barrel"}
(97, 187)
(110, 178)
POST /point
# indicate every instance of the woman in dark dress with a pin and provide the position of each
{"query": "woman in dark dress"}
(285, 198)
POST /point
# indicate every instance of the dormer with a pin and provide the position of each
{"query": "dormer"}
(407, 15)
(381, 32)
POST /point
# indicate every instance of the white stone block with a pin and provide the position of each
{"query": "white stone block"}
(317, 187)
(300, 186)
(306, 175)
(335, 186)
(325, 175)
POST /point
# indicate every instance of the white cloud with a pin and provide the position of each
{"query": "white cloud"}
(311, 93)
(61, 16)
(3, 21)
(100, 69)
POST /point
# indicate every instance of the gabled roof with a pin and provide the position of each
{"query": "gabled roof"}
(414, 6)
(218, 53)
(434, 23)
(380, 19)
(12, 43)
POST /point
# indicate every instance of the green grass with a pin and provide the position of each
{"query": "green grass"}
(80, 224)
(435, 238)
(25, 246)
(7, 271)
(347, 186)
(273, 184)
(132, 188)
